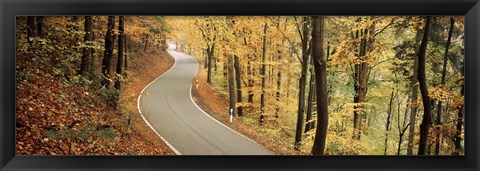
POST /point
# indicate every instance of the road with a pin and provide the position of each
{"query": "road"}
(167, 106)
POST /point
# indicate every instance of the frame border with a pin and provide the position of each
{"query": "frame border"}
(11, 8)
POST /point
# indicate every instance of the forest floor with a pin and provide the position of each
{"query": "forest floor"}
(45, 126)
(216, 105)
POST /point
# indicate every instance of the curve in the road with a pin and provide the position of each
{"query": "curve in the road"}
(167, 106)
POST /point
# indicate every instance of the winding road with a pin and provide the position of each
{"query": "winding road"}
(167, 106)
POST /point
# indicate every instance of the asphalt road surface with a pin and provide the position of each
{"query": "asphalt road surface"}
(167, 106)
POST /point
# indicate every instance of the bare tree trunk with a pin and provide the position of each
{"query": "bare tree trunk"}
(40, 26)
(387, 125)
(108, 53)
(279, 83)
(458, 133)
(87, 54)
(320, 65)
(30, 29)
(262, 96)
(309, 124)
(126, 52)
(426, 121)
(238, 81)
(121, 30)
(210, 52)
(231, 79)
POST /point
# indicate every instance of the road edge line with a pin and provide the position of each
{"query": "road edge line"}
(145, 119)
(191, 98)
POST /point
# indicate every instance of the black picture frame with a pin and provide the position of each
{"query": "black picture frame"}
(11, 8)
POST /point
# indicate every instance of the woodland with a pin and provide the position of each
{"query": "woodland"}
(337, 85)
(314, 85)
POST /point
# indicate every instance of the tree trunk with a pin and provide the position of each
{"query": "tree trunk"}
(444, 73)
(264, 54)
(309, 124)
(238, 81)
(87, 54)
(108, 52)
(121, 30)
(210, 51)
(320, 65)
(146, 43)
(231, 79)
(126, 51)
(301, 88)
(458, 133)
(205, 61)
(30, 29)
(387, 125)
(40, 26)
(427, 106)
(414, 96)
(278, 93)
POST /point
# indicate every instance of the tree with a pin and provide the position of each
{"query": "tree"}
(442, 83)
(238, 85)
(414, 96)
(264, 54)
(387, 125)
(320, 65)
(458, 127)
(427, 106)
(87, 54)
(108, 52)
(30, 29)
(362, 68)
(302, 82)
(121, 30)
(231, 79)
(40, 26)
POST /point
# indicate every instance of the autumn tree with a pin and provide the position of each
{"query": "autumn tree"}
(427, 106)
(305, 39)
(108, 52)
(320, 65)
(87, 54)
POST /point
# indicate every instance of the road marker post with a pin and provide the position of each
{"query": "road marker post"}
(196, 85)
(231, 115)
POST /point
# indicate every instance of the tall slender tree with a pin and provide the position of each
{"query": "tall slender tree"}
(304, 35)
(30, 29)
(238, 81)
(264, 54)
(442, 83)
(121, 32)
(39, 26)
(230, 68)
(320, 65)
(87, 54)
(108, 52)
(427, 106)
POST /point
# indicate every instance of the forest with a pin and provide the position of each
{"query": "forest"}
(351, 85)
(297, 85)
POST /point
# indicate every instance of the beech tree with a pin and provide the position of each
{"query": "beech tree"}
(427, 106)
(108, 52)
(320, 65)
